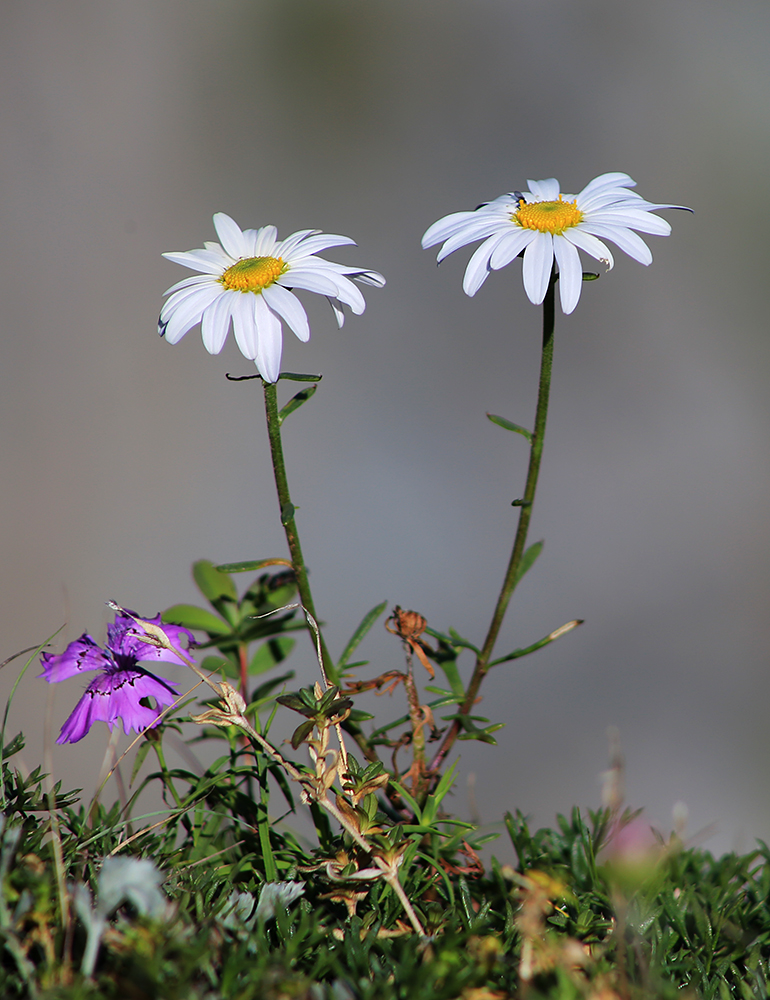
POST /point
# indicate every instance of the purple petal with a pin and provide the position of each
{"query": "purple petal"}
(125, 638)
(115, 697)
(82, 654)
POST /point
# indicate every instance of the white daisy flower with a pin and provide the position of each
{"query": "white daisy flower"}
(543, 224)
(249, 279)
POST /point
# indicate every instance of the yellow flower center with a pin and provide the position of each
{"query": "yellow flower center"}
(548, 216)
(252, 274)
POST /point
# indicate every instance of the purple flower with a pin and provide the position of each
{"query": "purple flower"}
(117, 692)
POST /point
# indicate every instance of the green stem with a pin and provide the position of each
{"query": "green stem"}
(157, 746)
(295, 550)
(512, 574)
(287, 516)
(263, 821)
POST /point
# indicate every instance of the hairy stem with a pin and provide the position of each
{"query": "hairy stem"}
(519, 544)
(287, 514)
(295, 550)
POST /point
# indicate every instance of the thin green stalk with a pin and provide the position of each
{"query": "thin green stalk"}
(157, 746)
(519, 545)
(295, 550)
(287, 514)
(263, 821)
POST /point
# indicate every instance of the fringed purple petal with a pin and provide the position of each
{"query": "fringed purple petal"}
(81, 655)
(115, 697)
(127, 640)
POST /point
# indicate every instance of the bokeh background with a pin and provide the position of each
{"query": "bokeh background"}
(125, 126)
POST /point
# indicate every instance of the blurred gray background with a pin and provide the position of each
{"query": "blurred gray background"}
(126, 125)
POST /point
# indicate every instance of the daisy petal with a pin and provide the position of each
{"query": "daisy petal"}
(585, 241)
(245, 324)
(538, 260)
(509, 247)
(570, 273)
(604, 181)
(256, 296)
(478, 269)
(286, 247)
(479, 229)
(231, 236)
(323, 241)
(628, 242)
(269, 341)
(194, 279)
(207, 261)
(311, 279)
(289, 308)
(549, 222)
(547, 190)
(188, 312)
(264, 242)
(339, 313)
(215, 323)
(632, 219)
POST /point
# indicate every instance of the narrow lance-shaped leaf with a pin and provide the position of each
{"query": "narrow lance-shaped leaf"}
(528, 560)
(250, 565)
(556, 634)
(510, 426)
(295, 402)
(141, 753)
(366, 623)
(453, 676)
(471, 731)
(453, 639)
(296, 377)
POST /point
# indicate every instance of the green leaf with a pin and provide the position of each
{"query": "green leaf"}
(452, 674)
(447, 780)
(193, 617)
(212, 582)
(262, 693)
(250, 565)
(270, 653)
(303, 730)
(296, 703)
(219, 664)
(528, 560)
(471, 731)
(556, 634)
(411, 802)
(296, 377)
(454, 639)
(359, 715)
(366, 623)
(141, 753)
(295, 402)
(590, 275)
(510, 426)
(458, 640)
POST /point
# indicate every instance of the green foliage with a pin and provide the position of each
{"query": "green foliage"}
(688, 922)
(214, 897)
(235, 623)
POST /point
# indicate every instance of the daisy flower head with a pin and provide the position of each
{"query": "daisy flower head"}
(545, 226)
(118, 690)
(248, 279)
